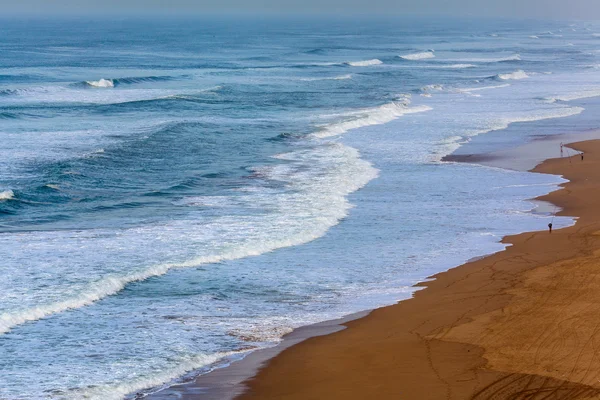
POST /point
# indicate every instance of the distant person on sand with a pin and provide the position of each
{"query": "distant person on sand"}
(581, 156)
(550, 227)
(561, 149)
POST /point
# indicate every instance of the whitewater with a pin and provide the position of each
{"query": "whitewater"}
(173, 201)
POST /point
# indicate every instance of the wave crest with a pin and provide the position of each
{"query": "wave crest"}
(418, 56)
(366, 117)
(101, 83)
(517, 75)
(365, 63)
(109, 83)
(333, 78)
(7, 195)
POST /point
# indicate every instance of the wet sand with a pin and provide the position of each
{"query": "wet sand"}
(523, 323)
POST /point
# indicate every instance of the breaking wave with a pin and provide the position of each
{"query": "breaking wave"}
(514, 57)
(517, 75)
(369, 116)
(109, 83)
(333, 78)
(102, 83)
(321, 178)
(418, 56)
(364, 63)
(7, 195)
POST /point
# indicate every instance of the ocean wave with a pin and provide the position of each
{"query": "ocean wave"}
(517, 75)
(101, 83)
(6, 115)
(439, 66)
(320, 177)
(458, 66)
(332, 78)
(514, 57)
(418, 56)
(366, 117)
(108, 83)
(365, 63)
(426, 90)
(12, 92)
(7, 195)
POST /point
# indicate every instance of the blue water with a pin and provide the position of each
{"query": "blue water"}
(176, 192)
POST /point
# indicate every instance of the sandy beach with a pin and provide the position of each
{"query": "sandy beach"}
(519, 324)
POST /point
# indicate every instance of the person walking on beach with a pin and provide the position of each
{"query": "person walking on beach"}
(550, 227)
(561, 149)
(581, 156)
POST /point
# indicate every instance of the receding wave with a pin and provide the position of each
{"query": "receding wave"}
(364, 63)
(540, 115)
(477, 89)
(7, 195)
(366, 117)
(584, 94)
(418, 56)
(449, 145)
(517, 75)
(121, 390)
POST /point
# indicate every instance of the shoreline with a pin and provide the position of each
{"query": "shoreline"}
(472, 332)
(230, 381)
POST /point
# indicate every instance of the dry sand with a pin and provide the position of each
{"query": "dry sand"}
(520, 324)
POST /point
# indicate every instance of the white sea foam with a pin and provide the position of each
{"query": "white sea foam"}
(534, 37)
(458, 66)
(369, 116)
(7, 195)
(364, 63)
(418, 56)
(118, 391)
(517, 75)
(426, 90)
(333, 78)
(439, 66)
(323, 190)
(102, 83)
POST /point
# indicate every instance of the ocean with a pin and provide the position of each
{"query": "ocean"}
(177, 192)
